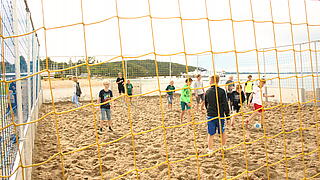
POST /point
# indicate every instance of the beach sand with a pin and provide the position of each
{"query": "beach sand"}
(77, 131)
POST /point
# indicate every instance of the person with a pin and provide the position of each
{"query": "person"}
(76, 91)
(237, 101)
(248, 87)
(129, 87)
(199, 92)
(171, 89)
(105, 95)
(120, 82)
(256, 98)
(229, 87)
(185, 99)
(217, 110)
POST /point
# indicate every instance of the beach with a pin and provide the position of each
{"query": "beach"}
(77, 131)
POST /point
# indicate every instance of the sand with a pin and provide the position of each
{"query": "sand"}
(77, 130)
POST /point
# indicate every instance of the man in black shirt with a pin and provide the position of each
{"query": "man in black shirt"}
(217, 109)
(120, 82)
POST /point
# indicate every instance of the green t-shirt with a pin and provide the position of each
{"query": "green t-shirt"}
(185, 94)
(170, 88)
(129, 88)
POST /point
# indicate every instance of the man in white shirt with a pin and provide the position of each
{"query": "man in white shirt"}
(199, 92)
(256, 98)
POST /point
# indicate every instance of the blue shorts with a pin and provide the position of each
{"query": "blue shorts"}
(184, 106)
(214, 125)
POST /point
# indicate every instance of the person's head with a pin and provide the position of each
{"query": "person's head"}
(198, 77)
(189, 81)
(128, 81)
(262, 82)
(120, 75)
(106, 84)
(74, 79)
(214, 80)
(249, 77)
(239, 88)
(230, 78)
(171, 83)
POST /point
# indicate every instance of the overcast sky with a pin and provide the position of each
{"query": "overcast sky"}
(136, 34)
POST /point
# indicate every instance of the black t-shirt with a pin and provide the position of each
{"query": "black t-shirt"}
(120, 85)
(105, 96)
(235, 98)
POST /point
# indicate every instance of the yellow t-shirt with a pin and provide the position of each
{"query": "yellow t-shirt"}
(249, 87)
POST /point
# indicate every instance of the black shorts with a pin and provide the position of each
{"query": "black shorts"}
(121, 89)
(199, 98)
(229, 96)
(247, 96)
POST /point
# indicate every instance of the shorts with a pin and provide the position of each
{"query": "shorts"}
(200, 97)
(121, 89)
(247, 96)
(258, 106)
(214, 125)
(130, 94)
(105, 114)
(184, 106)
(170, 98)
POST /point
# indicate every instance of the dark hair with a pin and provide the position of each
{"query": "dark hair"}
(249, 76)
(198, 75)
(189, 80)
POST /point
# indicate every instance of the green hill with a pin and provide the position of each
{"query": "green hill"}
(135, 68)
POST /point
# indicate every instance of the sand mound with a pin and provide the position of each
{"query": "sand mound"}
(76, 131)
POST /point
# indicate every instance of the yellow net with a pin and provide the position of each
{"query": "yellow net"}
(281, 106)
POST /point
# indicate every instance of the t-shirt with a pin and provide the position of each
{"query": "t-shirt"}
(185, 94)
(235, 98)
(198, 84)
(129, 88)
(170, 88)
(105, 96)
(120, 85)
(230, 86)
(249, 87)
(257, 98)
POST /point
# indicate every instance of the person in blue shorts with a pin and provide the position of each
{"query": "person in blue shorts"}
(217, 110)
(185, 99)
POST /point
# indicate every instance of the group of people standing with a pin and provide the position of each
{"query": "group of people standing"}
(218, 102)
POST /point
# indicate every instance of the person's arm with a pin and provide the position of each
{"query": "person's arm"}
(205, 100)
(243, 98)
(195, 90)
(98, 99)
(225, 105)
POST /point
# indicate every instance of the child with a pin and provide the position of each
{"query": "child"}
(248, 87)
(120, 82)
(104, 96)
(76, 91)
(211, 103)
(129, 89)
(236, 101)
(199, 92)
(185, 99)
(229, 87)
(170, 88)
(257, 100)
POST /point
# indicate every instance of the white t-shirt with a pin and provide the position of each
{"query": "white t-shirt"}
(257, 98)
(198, 84)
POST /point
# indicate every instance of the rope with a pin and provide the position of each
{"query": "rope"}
(285, 158)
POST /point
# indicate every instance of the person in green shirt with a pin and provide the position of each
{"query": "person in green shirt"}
(185, 99)
(170, 88)
(129, 89)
